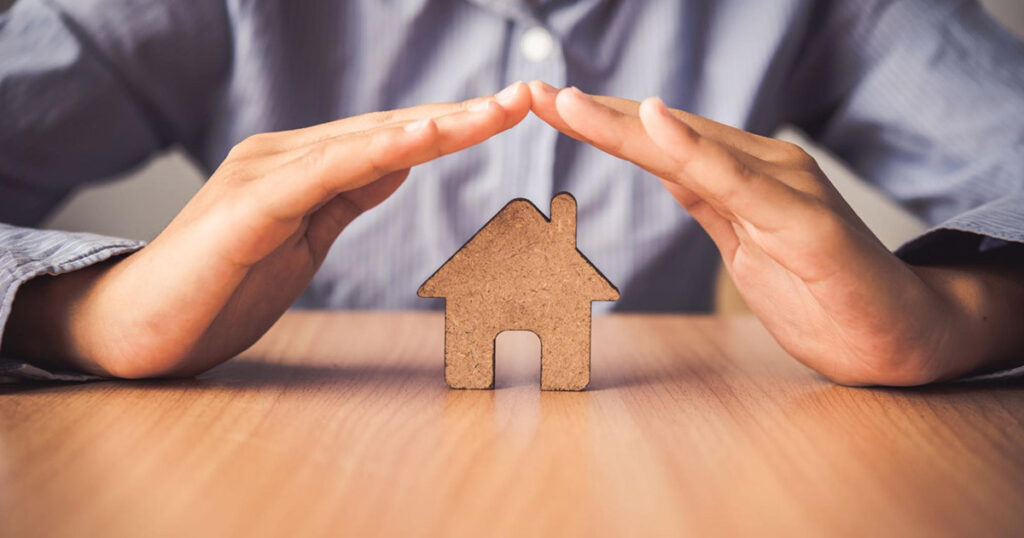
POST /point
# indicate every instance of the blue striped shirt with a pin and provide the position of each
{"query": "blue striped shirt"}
(924, 98)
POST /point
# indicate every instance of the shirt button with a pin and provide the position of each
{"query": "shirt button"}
(536, 44)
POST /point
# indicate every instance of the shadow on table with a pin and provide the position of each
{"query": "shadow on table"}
(251, 374)
(682, 372)
(1011, 385)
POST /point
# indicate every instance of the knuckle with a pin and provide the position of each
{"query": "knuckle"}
(808, 182)
(693, 204)
(230, 171)
(795, 156)
(390, 149)
(742, 178)
(385, 142)
(238, 150)
(436, 151)
(383, 116)
(251, 145)
(378, 169)
(824, 191)
(383, 149)
(314, 158)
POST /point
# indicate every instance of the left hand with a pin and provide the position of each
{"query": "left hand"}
(825, 287)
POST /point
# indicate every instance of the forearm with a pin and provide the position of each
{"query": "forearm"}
(34, 306)
(46, 326)
(989, 301)
(110, 320)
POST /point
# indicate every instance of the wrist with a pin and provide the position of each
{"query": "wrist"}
(987, 312)
(46, 316)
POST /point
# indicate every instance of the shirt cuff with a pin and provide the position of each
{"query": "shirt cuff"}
(27, 253)
(992, 233)
(970, 236)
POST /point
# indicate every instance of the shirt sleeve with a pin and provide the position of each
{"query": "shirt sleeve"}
(92, 88)
(924, 99)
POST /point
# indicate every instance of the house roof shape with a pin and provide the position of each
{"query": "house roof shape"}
(521, 253)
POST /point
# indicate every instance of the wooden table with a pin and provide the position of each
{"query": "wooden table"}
(339, 424)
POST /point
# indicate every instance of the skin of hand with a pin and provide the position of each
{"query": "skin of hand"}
(825, 287)
(244, 248)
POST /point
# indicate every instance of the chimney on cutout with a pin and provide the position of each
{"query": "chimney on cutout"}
(563, 217)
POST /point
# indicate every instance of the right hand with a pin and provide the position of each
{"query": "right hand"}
(244, 247)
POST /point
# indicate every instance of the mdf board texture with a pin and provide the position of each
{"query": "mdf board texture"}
(521, 271)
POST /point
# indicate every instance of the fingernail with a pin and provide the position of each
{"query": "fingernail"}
(417, 125)
(480, 106)
(509, 93)
(579, 93)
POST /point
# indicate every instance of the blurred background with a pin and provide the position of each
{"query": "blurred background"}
(140, 203)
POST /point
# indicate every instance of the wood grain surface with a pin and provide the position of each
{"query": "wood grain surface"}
(340, 424)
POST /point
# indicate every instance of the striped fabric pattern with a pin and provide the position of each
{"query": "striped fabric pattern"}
(26, 254)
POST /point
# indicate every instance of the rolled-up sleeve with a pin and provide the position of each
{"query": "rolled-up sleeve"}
(924, 99)
(27, 253)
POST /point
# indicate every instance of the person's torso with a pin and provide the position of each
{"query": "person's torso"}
(301, 63)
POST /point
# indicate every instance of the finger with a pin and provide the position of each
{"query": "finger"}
(738, 141)
(515, 99)
(706, 168)
(800, 232)
(273, 160)
(611, 131)
(542, 99)
(620, 134)
(348, 162)
(718, 228)
(763, 148)
(328, 221)
(616, 124)
(543, 104)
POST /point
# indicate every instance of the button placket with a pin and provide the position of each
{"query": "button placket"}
(530, 159)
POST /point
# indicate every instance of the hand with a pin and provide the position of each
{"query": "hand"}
(825, 287)
(244, 247)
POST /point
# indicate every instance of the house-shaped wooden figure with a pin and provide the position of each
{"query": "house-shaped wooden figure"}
(521, 271)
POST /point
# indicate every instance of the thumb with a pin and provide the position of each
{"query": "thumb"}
(327, 222)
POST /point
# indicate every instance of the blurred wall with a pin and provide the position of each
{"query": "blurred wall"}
(140, 203)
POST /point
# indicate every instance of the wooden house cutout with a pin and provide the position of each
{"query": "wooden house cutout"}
(521, 271)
